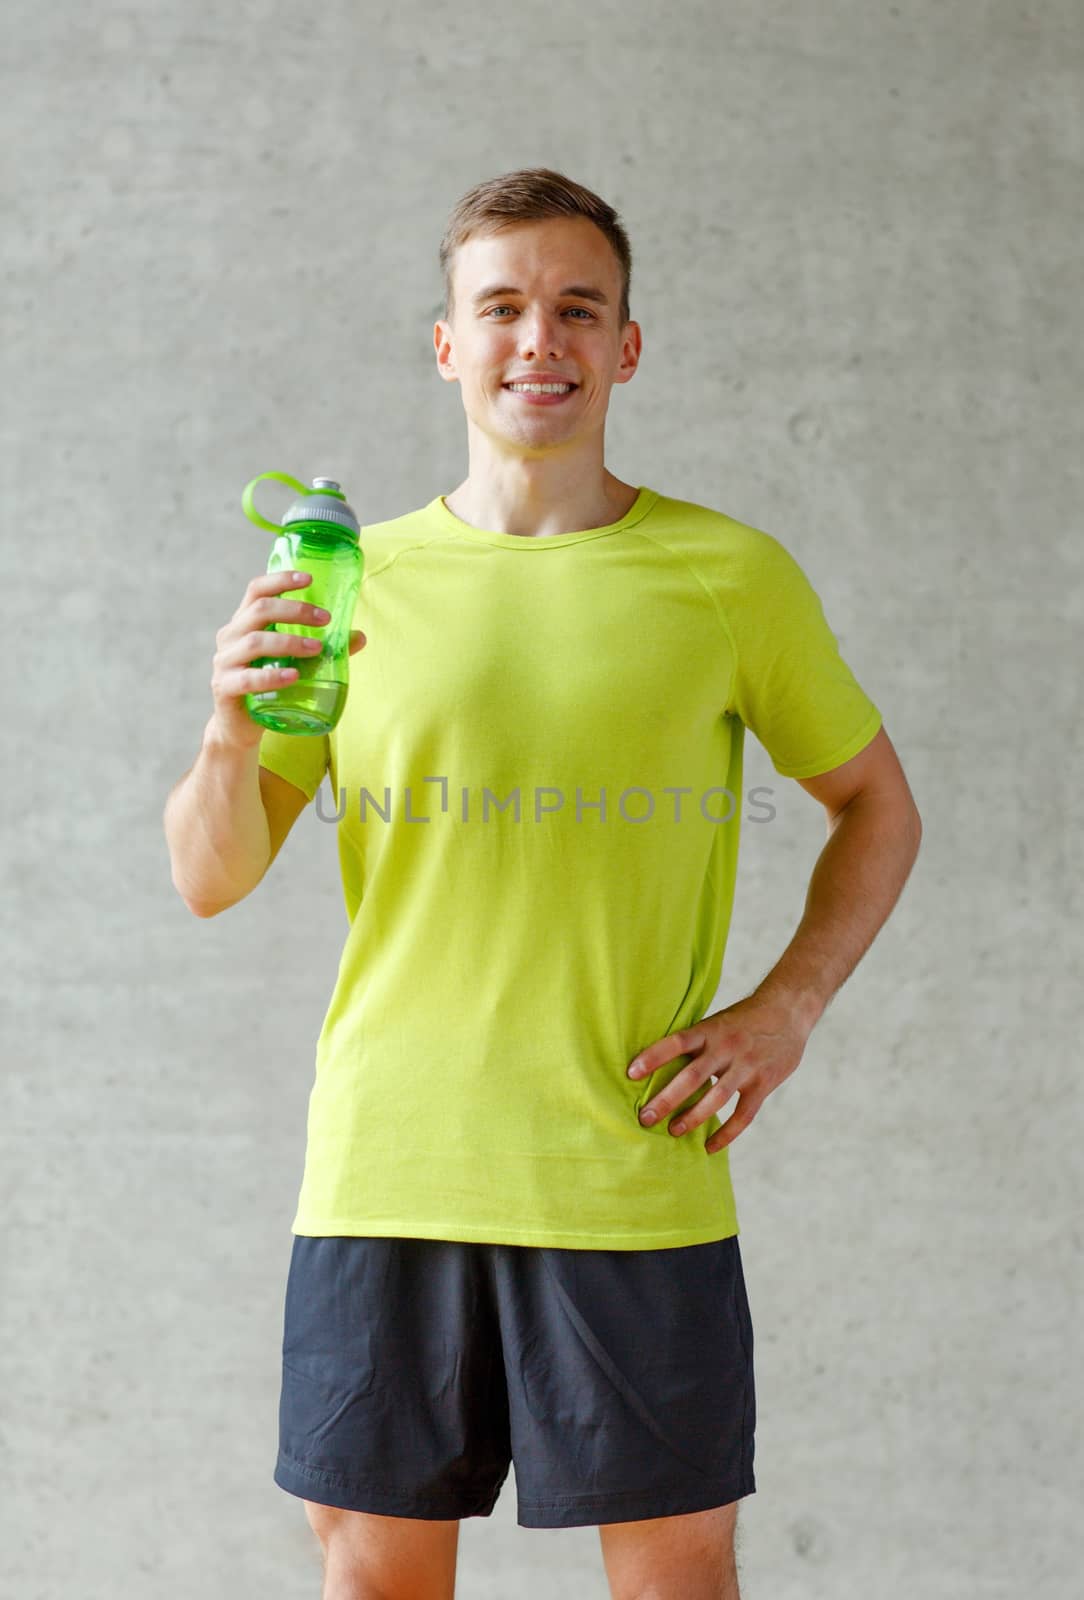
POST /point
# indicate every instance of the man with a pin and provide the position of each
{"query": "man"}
(516, 1236)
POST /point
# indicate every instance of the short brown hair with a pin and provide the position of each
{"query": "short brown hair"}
(527, 196)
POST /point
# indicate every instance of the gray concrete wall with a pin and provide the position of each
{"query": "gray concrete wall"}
(857, 268)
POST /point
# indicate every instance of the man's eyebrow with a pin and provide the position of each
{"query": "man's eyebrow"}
(579, 290)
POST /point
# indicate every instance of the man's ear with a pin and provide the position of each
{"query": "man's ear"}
(442, 342)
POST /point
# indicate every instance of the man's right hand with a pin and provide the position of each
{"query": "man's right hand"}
(246, 637)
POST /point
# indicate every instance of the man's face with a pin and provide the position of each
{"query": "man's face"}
(542, 327)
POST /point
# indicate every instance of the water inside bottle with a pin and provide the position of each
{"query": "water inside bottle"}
(312, 706)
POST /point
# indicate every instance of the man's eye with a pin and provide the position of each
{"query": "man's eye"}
(589, 314)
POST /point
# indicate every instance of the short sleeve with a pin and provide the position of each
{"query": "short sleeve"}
(791, 686)
(300, 758)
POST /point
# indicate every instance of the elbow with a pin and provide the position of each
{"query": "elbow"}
(916, 835)
(198, 908)
(202, 911)
(206, 908)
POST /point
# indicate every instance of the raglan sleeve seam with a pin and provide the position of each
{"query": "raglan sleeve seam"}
(728, 634)
(843, 752)
(718, 609)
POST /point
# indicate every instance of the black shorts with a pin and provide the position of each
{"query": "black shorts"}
(619, 1382)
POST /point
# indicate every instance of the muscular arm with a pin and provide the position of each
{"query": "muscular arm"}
(874, 832)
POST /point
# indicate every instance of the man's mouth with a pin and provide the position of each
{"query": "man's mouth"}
(541, 393)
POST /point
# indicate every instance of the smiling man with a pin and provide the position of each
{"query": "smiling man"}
(516, 1239)
(539, 338)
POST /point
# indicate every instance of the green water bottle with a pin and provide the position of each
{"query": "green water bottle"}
(318, 535)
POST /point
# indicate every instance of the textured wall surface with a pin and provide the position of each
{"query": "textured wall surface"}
(857, 270)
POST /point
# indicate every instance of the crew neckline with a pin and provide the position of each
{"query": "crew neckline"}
(639, 508)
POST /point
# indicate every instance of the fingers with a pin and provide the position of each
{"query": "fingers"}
(265, 586)
(246, 637)
(258, 629)
(738, 1120)
(663, 1050)
(713, 1098)
(680, 1087)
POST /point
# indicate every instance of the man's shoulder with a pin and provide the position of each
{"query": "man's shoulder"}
(693, 529)
(406, 525)
(382, 542)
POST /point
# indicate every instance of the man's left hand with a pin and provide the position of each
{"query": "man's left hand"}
(748, 1048)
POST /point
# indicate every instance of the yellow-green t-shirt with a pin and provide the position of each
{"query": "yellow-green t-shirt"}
(539, 776)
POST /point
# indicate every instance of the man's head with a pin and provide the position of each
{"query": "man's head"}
(531, 195)
(536, 281)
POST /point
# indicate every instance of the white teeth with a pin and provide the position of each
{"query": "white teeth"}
(540, 388)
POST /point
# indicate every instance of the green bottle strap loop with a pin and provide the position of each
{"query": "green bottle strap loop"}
(248, 505)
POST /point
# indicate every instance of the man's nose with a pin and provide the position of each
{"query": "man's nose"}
(538, 331)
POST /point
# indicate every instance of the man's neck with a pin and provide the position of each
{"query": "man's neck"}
(499, 511)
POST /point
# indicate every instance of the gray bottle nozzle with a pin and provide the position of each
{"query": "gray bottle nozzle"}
(329, 506)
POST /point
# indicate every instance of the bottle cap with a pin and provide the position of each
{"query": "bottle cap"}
(324, 502)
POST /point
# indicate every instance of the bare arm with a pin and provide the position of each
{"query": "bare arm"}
(874, 831)
(752, 1046)
(226, 819)
(216, 826)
